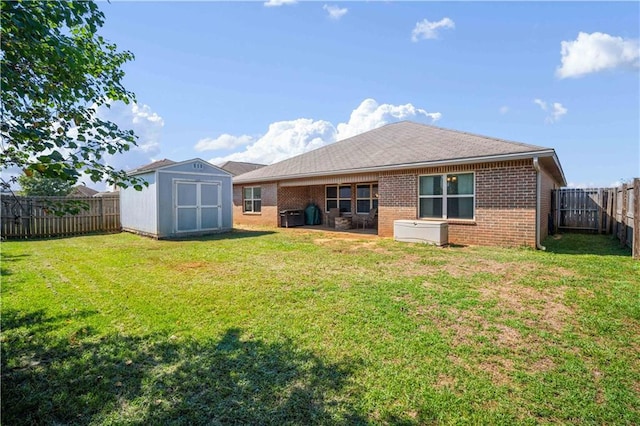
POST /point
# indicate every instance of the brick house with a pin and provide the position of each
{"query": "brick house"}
(490, 191)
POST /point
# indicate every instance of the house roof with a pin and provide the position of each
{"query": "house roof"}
(82, 191)
(237, 167)
(152, 166)
(396, 146)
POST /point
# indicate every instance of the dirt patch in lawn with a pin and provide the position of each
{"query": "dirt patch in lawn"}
(460, 267)
(545, 305)
(190, 266)
(499, 369)
(445, 381)
(351, 245)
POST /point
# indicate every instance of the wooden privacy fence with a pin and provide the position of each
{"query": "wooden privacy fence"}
(603, 210)
(31, 217)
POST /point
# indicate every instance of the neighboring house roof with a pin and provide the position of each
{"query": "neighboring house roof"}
(152, 166)
(82, 191)
(397, 146)
(237, 167)
(107, 194)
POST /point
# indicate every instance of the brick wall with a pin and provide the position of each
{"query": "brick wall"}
(547, 184)
(398, 200)
(268, 216)
(293, 197)
(505, 203)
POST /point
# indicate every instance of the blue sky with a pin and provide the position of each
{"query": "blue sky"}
(252, 82)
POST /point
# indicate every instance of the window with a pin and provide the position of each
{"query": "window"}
(366, 197)
(338, 196)
(252, 199)
(449, 196)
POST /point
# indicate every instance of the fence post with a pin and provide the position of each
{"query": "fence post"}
(29, 218)
(635, 250)
(623, 218)
(600, 210)
(610, 210)
(101, 210)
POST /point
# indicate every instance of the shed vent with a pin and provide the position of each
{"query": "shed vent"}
(198, 166)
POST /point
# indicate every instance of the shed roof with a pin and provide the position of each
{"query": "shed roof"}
(238, 167)
(152, 166)
(399, 145)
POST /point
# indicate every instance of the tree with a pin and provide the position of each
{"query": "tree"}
(56, 71)
(39, 185)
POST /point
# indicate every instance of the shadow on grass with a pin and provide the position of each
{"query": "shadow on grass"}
(8, 258)
(574, 243)
(235, 234)
(82, 378)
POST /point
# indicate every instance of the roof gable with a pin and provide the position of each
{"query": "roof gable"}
(398, 145)
(152, 166)
(187, 166)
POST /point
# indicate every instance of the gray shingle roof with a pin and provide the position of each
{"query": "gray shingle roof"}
(152, 166)
(82, 191)
(390, 147)
(237, 167)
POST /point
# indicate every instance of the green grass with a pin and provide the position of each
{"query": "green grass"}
(293, 327)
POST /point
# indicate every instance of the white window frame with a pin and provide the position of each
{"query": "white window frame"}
(371, 198)
(444, 196)
(338, 199)
(253, 199)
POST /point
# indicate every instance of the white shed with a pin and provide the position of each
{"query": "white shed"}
(191, 197)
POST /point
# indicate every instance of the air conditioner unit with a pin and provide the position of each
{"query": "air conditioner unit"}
(421, 231)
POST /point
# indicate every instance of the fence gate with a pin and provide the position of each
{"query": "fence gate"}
(580, 209)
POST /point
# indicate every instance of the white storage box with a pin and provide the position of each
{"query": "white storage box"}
(421, 231)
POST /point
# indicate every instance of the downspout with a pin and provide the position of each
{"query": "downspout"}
(536, 166)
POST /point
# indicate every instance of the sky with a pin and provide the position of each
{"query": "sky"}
(264, 81)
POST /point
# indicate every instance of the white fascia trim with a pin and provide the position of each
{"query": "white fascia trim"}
(407, 166)
(192, 173)
(555, 159)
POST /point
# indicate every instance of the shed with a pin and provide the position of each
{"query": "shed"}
(185, 198)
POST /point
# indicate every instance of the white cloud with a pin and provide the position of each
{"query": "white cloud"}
(540, 103)
(276, 3)
(596, 52)
(285, 139)
(224, 141)
(504, 109)
(427, 30)
(335, 12)
(146, 124)
(557, 110)
(369, 115)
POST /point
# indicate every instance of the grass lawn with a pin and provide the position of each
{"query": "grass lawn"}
(299, 327)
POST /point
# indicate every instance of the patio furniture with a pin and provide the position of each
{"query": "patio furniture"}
(331, 217)
(291, 218)
(370, 219)
(342, 223)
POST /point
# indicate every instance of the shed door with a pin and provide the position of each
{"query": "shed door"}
(197, 206)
